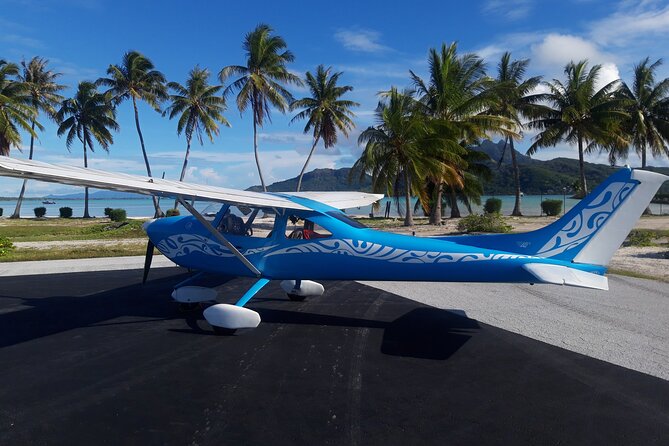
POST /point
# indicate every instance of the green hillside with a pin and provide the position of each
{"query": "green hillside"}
(536, 176)
(321, 180)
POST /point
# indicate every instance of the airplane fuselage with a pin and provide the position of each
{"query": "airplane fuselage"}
(350, 253)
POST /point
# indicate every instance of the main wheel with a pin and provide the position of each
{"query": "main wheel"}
(222, 331)
(296, 297)
(187, 307)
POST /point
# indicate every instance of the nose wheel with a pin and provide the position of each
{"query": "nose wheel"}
(296, 297)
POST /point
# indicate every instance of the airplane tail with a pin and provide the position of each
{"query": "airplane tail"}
(591, 231)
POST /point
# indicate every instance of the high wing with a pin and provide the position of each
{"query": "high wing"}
(79, 176)
(339, 200)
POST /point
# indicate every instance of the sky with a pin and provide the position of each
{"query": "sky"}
(373, 43)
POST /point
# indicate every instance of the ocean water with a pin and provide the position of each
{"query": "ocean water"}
(143, 207)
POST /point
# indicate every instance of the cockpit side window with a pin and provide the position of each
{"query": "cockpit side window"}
(305, 229)
(246, 221)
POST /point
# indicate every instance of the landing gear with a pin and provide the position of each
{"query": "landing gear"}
(187, 307)
(296, 297)
(298, 290)
(222, 331)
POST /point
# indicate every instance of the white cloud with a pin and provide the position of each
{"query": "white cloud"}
(517, 43)
(16, 39)
(508, 9)
(560, 49)
(608, 73)
(557, 50)
(285, 137)
(362, 40)
(645, 19)
(73, 73)
(204, 175)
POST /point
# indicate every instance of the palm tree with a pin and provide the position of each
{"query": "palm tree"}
(136, 79)
(474, 173)
(326, 113)
(647, 103)
(199, 108)
(261, 79)
(514, 101)
(43, 90)
(16, 114)
(580, 114)
(394, 153)
(89, 116)
(457, 95)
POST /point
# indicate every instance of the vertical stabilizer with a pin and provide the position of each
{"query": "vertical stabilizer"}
(592, 230)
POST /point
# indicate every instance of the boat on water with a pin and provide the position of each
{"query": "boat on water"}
(48, 202)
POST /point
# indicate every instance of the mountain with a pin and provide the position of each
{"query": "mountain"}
(536, 176)
(322, 180)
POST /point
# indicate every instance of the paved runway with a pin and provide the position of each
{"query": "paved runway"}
(627, 325)
(96, 358)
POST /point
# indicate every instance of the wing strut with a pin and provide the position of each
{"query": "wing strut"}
(220, 237)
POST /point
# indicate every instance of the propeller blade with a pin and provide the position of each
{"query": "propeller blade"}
(147, 260)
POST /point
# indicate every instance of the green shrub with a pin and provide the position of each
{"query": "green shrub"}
(172, 213)
(117, 215)
(40, 212)
(551, 207)
(483, 223)
(639, 237)
(108, 211)
(6, 246)
(493, 206)
(65, 212)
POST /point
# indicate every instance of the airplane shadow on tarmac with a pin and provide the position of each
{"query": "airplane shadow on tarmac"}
(409, 329)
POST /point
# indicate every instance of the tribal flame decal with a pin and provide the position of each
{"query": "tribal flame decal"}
(183, 244)
(583, 226)
(377, 251)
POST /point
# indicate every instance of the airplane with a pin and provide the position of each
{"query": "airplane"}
(300, 238)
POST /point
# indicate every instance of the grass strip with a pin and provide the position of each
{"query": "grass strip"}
(27, 254)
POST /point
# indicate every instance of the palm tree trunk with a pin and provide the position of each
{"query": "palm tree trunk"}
(156, 205)
(435, 215)
(255, 151)
(647, 211)
(313, 148)
(19, 202)
(516, 178)
(581, 164)
(86, 214)
(4, 145)
(183, 168)
(455, 210)
(408, 216)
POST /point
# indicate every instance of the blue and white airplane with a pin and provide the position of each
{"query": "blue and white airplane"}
(299, 238)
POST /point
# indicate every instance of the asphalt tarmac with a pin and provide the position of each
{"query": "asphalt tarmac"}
(96, 358)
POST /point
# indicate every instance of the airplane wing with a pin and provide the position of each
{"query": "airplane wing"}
(79, 176)
(339, 200)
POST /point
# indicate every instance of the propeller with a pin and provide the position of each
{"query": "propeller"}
(147, 260)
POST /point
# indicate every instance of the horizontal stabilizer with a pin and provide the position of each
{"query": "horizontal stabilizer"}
(563, 275)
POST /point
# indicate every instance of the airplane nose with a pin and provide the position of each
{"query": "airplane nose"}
(147, 223)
